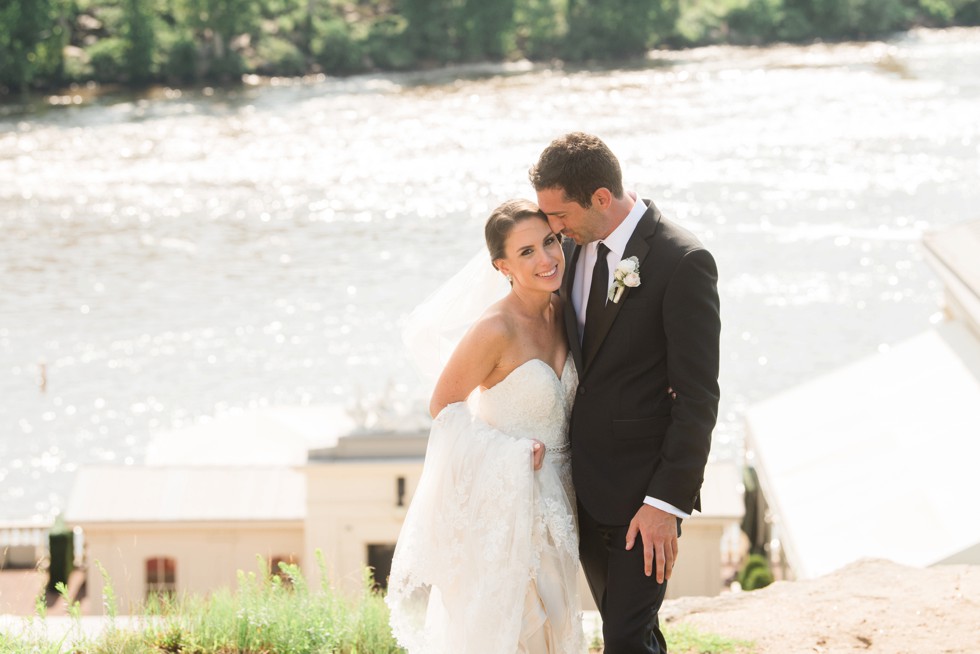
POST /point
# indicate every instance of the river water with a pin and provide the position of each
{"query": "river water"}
(180, 255)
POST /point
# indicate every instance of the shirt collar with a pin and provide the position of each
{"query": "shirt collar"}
(617, 240)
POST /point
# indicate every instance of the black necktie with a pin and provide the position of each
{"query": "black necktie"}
(597, 295)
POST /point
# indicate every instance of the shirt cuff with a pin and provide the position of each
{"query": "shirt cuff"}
(663, 506)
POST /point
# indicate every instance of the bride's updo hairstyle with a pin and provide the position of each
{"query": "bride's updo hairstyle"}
(502, 221)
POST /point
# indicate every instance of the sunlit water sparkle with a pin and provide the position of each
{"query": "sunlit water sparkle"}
(182, 255)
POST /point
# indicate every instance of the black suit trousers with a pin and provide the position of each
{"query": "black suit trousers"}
(628, 600)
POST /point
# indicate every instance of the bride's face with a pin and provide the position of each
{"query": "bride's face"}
(534, 257)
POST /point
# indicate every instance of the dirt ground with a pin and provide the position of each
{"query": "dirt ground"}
(868, 606)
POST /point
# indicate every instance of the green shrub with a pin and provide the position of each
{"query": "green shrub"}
(968, 12)
(334, 48)
(140, 36)
(540, 28)
(488, 29)
(701, 22)
(755, 573)
(182, 60)
(754, 22)
(758, 578)
(387, 45)
(77, 67)
(608, 31)
(108, 59)
(263, 614)
(879, 17)
(277, 56)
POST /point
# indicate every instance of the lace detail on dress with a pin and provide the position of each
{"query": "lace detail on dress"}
(487, 560)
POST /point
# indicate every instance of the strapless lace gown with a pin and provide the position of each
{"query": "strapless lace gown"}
(487, 559)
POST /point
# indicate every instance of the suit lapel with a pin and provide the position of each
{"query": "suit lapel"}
(571, 320)
(638, 247)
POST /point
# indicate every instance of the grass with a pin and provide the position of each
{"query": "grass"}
(268, 615)
(685, 639)
(263, 615)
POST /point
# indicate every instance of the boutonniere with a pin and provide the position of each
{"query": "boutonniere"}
(627, 274)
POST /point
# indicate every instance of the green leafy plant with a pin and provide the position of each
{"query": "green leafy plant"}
(755, 573)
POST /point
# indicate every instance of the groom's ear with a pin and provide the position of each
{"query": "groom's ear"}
(602, 198)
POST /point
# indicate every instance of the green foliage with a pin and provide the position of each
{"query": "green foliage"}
(109, 604)
(335, 48)
(181, 60)
(179, 41)
(701, 21)
(837, 19)
(277, 56)
(539, 28)
(31, 39)
(432, 29)
(139, 34)
(263, 614)
(608, 30)
(387, 45)
(755, 21)
(967, 12)
(108, 59)
(685, 638)
(488, 29)
(755, 573)
(758, 578)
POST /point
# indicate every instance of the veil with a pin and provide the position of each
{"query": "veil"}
(435, 327)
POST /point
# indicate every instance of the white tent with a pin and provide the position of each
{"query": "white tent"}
(266, 437)
(877, 459)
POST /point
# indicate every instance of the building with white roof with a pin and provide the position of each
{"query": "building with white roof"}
(188, 521)
(878, 459)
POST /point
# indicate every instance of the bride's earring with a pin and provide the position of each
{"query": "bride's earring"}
(510, 278)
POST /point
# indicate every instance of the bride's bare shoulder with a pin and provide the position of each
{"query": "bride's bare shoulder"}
(496, 324)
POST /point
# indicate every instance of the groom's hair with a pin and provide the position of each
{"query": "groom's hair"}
(578, 164)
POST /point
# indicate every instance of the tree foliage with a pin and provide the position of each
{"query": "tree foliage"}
(47, 43)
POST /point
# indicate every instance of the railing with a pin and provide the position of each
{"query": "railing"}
(23, 544)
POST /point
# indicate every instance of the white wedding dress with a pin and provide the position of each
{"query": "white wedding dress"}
(487, 559)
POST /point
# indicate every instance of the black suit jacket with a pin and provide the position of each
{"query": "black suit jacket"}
(629, 438)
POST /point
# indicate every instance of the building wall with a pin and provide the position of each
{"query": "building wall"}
(698, 567)
(353, 504)
(208, 555)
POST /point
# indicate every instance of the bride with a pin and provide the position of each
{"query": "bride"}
(487, 559)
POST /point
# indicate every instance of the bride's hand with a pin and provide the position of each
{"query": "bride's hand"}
(537, 453)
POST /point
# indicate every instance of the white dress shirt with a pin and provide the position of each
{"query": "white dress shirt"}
(581, 285)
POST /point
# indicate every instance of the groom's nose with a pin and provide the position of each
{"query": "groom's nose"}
(556, 224)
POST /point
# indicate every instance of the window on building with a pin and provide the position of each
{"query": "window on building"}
(161, 576)
(400, 491)
(379, 560)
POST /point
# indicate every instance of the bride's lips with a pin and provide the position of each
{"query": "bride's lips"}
(551, 273)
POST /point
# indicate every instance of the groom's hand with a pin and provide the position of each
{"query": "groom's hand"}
(537, 454)
(658, 531)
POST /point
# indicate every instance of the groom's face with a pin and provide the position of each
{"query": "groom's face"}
(568, 217)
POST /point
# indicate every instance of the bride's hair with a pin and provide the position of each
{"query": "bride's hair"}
(502, 221)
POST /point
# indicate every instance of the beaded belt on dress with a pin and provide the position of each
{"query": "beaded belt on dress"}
(558, 449)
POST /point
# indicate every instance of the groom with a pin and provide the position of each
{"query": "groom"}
(646, 349)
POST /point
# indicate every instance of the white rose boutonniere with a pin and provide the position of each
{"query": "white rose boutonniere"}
(627, 274)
